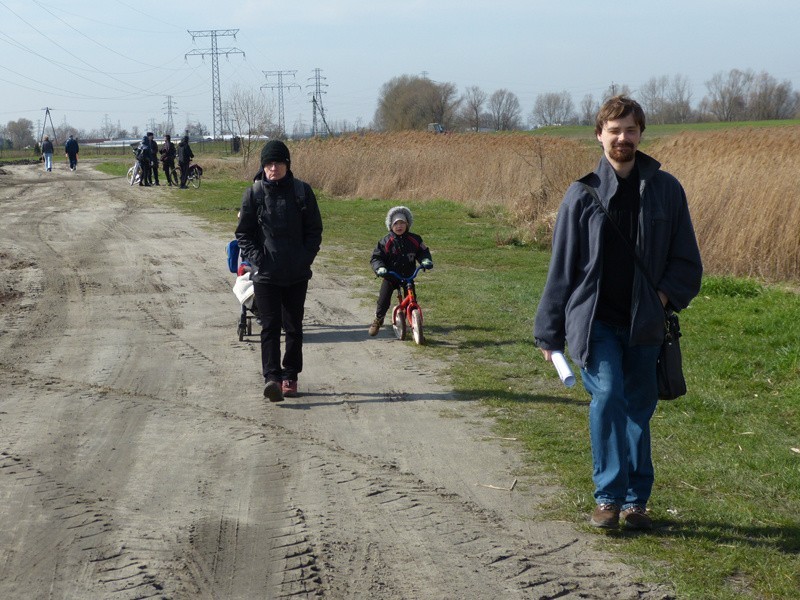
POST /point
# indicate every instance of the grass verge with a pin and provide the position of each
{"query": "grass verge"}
(727, 455)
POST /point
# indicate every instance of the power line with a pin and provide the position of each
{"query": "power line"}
(280, 87)
(214, 51)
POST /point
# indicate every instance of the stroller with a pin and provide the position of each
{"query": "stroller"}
(243, 289)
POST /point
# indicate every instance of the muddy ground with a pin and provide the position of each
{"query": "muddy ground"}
(138, 458)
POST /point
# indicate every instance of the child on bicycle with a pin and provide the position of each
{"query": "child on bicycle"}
(399, 251)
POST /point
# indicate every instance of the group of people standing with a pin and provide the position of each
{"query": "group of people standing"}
(71, 149)
(148, 154)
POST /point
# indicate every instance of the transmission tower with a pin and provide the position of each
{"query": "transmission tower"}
(280, 87)
(47, 116)
(316, 102)
(214, 52)
(170, 107)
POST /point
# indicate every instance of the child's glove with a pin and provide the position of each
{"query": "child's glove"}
(381, 271)
(427, 263)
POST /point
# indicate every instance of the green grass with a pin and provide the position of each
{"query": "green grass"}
(727, 491)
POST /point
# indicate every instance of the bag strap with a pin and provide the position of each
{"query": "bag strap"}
(639, 262)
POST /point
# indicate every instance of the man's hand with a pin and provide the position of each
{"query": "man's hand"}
(663, 298)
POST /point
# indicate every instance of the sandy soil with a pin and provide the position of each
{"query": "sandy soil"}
(138, 458)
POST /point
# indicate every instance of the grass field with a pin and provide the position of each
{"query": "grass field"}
(727, 455)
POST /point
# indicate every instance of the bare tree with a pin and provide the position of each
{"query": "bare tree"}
(589, 110)
(445, 104)
(727, 95)
(653, 98)
(769, 99)
(20, 133)
(504, 110)
(249, 114)
(473, 102)
(552, 109)
(679, 100)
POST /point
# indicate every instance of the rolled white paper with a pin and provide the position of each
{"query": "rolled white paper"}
(562, 367)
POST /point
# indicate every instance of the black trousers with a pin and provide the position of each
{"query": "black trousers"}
(168, 165)
(184, 167)
(281, 307)
(388, 287)
(154, 172)
(145, 164)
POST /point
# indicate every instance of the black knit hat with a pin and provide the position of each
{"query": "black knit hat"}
(275, 151)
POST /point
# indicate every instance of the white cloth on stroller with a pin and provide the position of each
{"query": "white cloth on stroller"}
(244, 290)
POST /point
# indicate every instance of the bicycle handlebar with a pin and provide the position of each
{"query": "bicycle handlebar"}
(410, 278)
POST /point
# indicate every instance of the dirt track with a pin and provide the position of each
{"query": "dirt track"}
(139, 460)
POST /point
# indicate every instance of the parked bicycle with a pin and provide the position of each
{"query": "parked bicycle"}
(408, 312)
(195, 175)
(172, 176)
(135, 172)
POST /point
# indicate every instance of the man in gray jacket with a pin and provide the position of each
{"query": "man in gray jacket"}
(598, 304)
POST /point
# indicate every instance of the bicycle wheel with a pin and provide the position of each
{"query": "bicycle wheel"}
(174, 175)
(416, 326)
(399, 323)
(131, 175)
(194, 176)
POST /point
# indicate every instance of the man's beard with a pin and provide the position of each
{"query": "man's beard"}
(622, 153)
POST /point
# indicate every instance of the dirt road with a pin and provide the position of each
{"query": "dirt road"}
(139, 460)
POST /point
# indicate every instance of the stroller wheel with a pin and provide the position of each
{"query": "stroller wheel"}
(241, 330)
(249, 327)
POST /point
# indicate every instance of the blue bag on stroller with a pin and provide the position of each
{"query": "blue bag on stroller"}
(242, 269)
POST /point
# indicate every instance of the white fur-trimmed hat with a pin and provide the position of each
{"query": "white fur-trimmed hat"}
(399, 213)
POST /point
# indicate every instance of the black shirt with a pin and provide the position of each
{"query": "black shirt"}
(616, 284)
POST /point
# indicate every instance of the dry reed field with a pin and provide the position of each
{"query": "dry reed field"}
(741, 184)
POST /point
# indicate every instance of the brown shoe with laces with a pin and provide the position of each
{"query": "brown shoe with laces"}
(605, 515)
(636, 517)
(375, 327)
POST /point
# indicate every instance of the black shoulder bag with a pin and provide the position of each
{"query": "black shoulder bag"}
(669, 368)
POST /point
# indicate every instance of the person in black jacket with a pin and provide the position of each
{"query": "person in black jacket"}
(144, 155)
(168, 153)
(185, 156)
(47, 153)
(153, 158)
(71, 150)
(280, 232)
(399, 251)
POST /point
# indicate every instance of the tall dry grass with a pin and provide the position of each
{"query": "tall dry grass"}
(742, 184)
(744, 195)
(523, 174)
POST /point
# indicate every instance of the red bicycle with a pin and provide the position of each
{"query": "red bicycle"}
(408, 312)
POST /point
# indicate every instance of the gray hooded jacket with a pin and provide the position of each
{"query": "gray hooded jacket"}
(666, 244)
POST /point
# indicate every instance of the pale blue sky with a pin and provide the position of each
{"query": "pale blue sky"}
(88, 59)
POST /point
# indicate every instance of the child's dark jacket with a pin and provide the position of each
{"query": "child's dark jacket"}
(400, 253)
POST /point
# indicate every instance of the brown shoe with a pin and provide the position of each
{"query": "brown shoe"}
(606, 516)
(375, 327)
(636, 517)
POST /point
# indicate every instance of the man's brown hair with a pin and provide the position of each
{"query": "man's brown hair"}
(619, 107)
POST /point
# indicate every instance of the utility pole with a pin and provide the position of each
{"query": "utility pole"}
(215, 51)
(47, 115)
(316, 102)
(280, 87)
(170, 107)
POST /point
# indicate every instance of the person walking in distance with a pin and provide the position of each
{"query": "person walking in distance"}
(598, 304)
(185, 156)
(153, 157)
(71, 149)
(280, 232)
(168, 152)
(47, 153)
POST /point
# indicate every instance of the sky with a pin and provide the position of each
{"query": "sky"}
(123, 62)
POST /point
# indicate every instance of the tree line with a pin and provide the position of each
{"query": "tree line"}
(412, 102)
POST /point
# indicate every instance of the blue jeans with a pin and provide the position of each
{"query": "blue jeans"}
(48, 161)
(621, 379)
